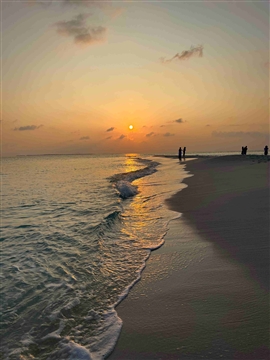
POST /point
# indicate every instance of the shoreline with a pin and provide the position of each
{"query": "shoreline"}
(226, 191)
(204, 293)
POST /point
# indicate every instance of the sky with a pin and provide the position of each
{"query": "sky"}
(77, 74)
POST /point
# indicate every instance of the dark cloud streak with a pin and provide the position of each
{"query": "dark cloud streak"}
(179, 121)
(27, 128)
(186, 54)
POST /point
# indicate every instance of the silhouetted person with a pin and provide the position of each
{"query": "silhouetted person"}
(246, 149)
(243, 150)
(180, 153)
(266, 150)
(184, 152)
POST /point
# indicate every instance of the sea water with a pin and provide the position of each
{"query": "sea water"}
(76, 233)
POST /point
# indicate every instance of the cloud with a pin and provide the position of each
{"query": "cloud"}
(28, 127)
(78, 29)
(148, 127)
(168, 134)
(179, 121)
(186, 54)
(85, 138)
(207, 125)
(121, 137)
(110, 129)
(108, 138)
(150, 134)
(227, 134)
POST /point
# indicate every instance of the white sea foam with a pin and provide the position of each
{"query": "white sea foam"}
(92, 315)
(123, 180)
(55, 334)
(125, 189)
(72, 351)
(72, 303)
(27, 339)
(110, 330)
(98, 347)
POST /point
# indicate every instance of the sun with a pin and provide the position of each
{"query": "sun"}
(130, 127)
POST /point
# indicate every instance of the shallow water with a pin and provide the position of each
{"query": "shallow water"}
(76, 233)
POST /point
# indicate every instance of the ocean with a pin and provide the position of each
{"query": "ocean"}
(76, 233)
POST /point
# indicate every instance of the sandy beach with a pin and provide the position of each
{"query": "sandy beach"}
(205, 293)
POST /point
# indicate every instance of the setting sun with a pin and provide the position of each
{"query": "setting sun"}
(130, 127)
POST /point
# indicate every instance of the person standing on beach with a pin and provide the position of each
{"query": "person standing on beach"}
(245, 150)
(184, 152)
(266, 150)
(180, 153)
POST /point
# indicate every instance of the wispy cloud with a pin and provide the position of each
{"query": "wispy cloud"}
(108, 138)
(27, 128)
(78, 29)
(169, 123)
(85, 138)
(110, 129)
(121, 137)
(168, 134)
(186, 54)
(226, 134)
(179, 121)
(147, 127)
(150, 134)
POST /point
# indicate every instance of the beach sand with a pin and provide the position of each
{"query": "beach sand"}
(205, 293)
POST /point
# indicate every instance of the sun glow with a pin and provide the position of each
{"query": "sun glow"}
(130, 127)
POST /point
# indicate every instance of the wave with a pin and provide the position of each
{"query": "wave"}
(107, 223)
(122, 182)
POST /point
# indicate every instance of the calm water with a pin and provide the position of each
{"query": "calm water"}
(76, 233)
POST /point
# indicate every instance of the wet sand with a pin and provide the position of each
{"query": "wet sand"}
(205, 293)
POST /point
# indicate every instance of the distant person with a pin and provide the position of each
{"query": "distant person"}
(184, 152)
(243, 150)
(246, 149)
(180, 153)
(266, 150)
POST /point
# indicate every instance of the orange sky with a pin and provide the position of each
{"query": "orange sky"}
(76, 75)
